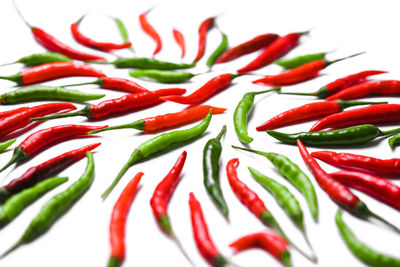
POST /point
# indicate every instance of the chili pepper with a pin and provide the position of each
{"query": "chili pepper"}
(46, 137)
(160, 143)
(202, 237)
(43, 171)
(255, 44)
(123, 32)
(18, 202)
(300, 60)
(204, 27)
(146, 63)
(359, 162)
(150, 31)
(56, 206)
(167, 121)
(394, 141)
(375, 88)
(209, 89)
(256, 206)
(309, 112)
(39, 59)
(275, 50)
(114, 83)
(180, 40)
(299, 74)
(374, 186)
(86, 41)
(292, 173)
(218, 51)
(125, 103)
(211, 154)
(355, 135)
(340, 84)
(362, 251)
(268, 241)
(337, 191)
(51, 71)
(242, 111)
(41, 92)
(6, 144)
(376, 114)
(11, 112)
(118, 221)
(163, 76)
(18, 121)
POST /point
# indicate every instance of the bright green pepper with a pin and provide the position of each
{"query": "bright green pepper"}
(6, 144)
(123, 32)
(394, 141)
(300, 60)
(146, 63)
(163, 76)
(218, 51)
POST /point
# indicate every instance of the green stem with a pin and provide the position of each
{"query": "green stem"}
(19, 155)
(17, 245)
(98, 82)
(179, 245)
(6, 144)
(138, 125)
(327, 63)
(345, 104)
(390, 132)
(83, 112)
(221, 133)
(379, 218)
(17, 78)
(265, 154)
(292, 93)
(114, 262)
(276, 89)
(116, 180)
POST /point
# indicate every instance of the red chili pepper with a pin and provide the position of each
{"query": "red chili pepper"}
(277, 49)
(180, 40)
(209, 89)
(46, 137)
(308, 112)
(299, 74)
(201, 236)
(360, 162)
(44, 170)
(114, 83)
(118, 221)
(149, 29)
(13, 112)
(383, 113)
(86, 41)
(51, 71)
(255, 44)
(270, 242)
(376, 88)
(22, 119)
(205, 26)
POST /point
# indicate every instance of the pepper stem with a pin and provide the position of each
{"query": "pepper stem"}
(276, 89)
(113, 262)
(17, 78)
(379, 218)
(390, 132)
(9, 63)
(221, 133)
(345, 104)
(17, 245)
(138, 125)
(265, 154)
(20, 14)
(83, 112)
(327, 63)
(19, 155)
(81, 18)
(292, 93)
(179, 245)
(98, 82)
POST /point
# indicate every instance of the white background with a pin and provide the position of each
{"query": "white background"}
(80, 238)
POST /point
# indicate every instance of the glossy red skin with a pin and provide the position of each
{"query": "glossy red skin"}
(205, 26)
(296, 75)
(338, 192)
(374, 186)
(360, 162)
(374, 88)
(164, 190)
(118, 218)
(255, 44)
(374, 114)
(47, 169)
(149, 29)
(86, 41)
(268, 241)
(300, 114)
(248, 197)
(131, 102)
(7, 113)
(350, 80)
(22, 119)
(213, 86)
(48, 136)
(122, 84)
(180, 40)
(56, 70)
(277, 49)
(52, 44)
(201, 235)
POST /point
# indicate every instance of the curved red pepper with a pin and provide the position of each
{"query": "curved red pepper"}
(149, 29)
(180, 40)
(11, 112)
(205, 26)
(115, 83)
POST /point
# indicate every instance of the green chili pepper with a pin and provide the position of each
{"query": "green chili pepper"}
(394, 141)
(218, 51)
(57, 206)
(146, 63)
(40, 92)
(158, 144)
(354, 135)
(362, 251)
(241, 112)
(163, 76)
(300, 60)
(211, 154)
(123, 32)
(18, 202)
(6, 144)
(39, 59)
(294, 175)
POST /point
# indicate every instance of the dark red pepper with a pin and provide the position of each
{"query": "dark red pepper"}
(205, 26)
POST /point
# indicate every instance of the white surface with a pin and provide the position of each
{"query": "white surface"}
(80, 238)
